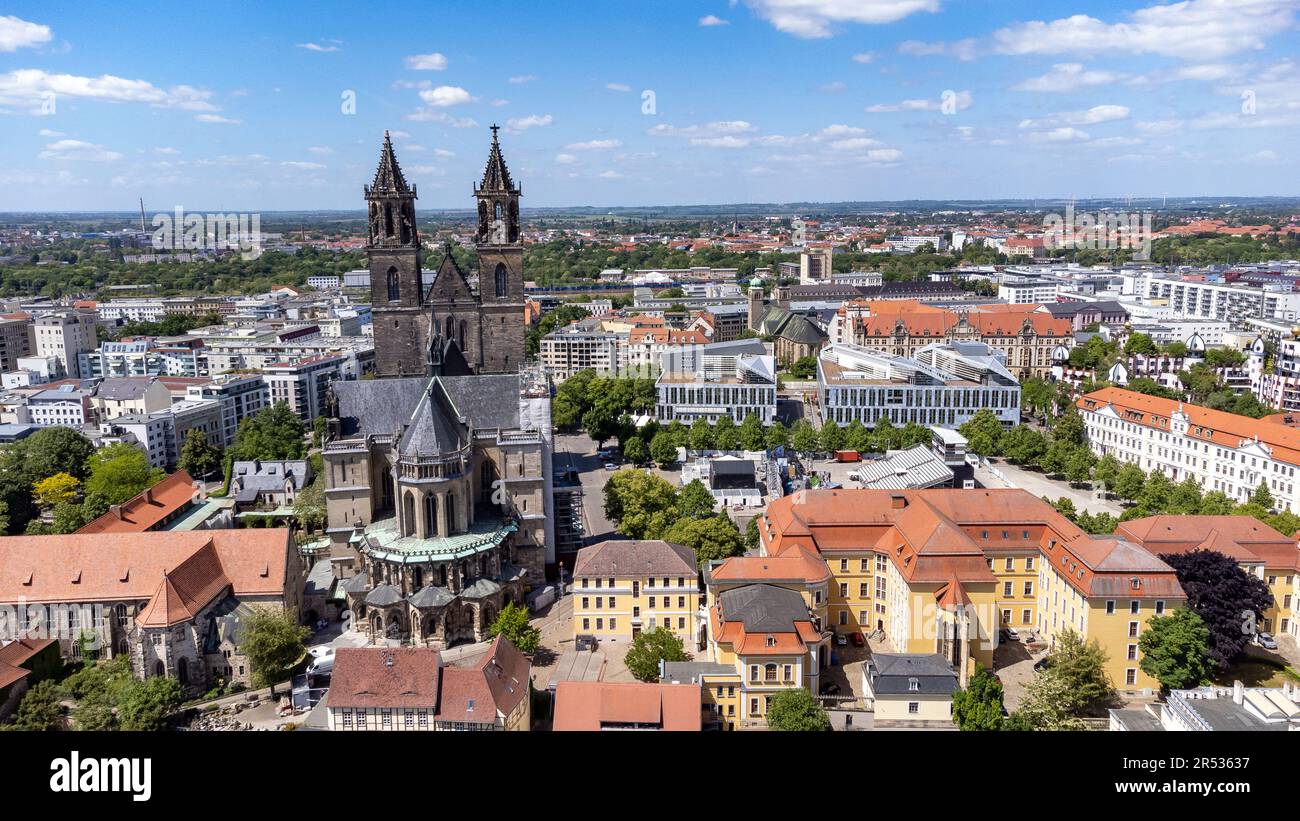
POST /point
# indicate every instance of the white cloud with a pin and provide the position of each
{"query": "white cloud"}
(712, 20)
(497, 103)
(720, 142)
(1193, 29)
(565, 159)
(963, 50)
(442, 152)
(595, 145)
(426, 62)
(429, 115)
(521, 79)
(863, 57)
(1059, 135)
(45, 132)
(320, 150)
(27, 87)
(165, 149)
(302, 166)
(413, 84)
(531, 121)
(610, 175)
(618, 87)
(834, 87)
(322, 48)
(78, 150)
(720, 128)
(444, 96)
(817, 18)
(854, 144)
(1066, 77)
(216, 118)
(1092, 116)
(961, 100)
(16, 33)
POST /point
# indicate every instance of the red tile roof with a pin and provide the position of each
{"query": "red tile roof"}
(1242, 538)
(146, 509)
(591, 705)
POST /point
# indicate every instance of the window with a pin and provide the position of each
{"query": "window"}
(1130, 676)
(600, 624)
(844, 591)
(585, 603)
(913, 707)
(681, 602)
(501, 280)
(844, 617)
(1110, 608)
(1133, 628)
(1025, 616)
(1006, 588)
(844, 565)
(1134, 606)
(914, 685)
(1029, 562)
(394, 285)
(1132, 652)
(1160, 608)
(586, 624)
(1010, 564)
(1029, 588)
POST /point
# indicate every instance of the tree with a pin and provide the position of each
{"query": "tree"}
(701, 436)
(725, 434)
(116, 473)
(663, 450)
(1262, 497)
(650, 647)
(1129, 482)
(318, 430)
(1185, 498)
(55, 450)
(272, 643)
(805, 367)
(309, 505)
(751, 433)
(1082, 665)
(795, 710)
(831, 436)
(199, 458)
(642, 505)
(694, 500)
(1047, 705)
(1107, 471)
(1068, 427)
(600, 424)
(979, 706)
(983, 432)
(777, 436)
(1078, 468)
(1176, 650)
(1024, 445)
(55, 490)
(1229, 600)
(146, 704)
(1140, 343)
(40, 709)
(803, 437)
(635, 451)
(274, 432)
(712, 538)
(512, 622)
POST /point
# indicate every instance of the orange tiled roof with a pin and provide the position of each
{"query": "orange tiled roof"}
(146, 509)
(1219, 427)
(172, 572)
(589, 705)
(1242, 538)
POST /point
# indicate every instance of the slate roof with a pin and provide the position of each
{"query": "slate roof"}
(121, 389)
(635, 558)
(383, 596)
(763, 608)
(387, 406)
(481, 589)
(892, 674)
(433, 427)
(430, 596)
(377, 406)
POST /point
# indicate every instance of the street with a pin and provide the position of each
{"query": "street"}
(1040, 485)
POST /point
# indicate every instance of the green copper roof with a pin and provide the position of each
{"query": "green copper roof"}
(388, 545)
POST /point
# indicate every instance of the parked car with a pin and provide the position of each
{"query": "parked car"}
(1043, 663)
(1266, 641)
(1010, 634)
(609, 466)
(858, 640)
(322, 666)
(320, 651)
(585, 641)
(841, 639)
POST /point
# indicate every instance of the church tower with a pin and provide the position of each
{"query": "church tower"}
(501, 267)
(396, 290)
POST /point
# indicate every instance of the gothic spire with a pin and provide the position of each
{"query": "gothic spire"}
(496, 177)
(388, 176)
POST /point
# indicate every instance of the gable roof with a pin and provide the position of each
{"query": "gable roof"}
(653, 557)
(384, 677)
(147, 508)
(590, 705)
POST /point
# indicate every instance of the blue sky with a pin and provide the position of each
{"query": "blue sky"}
(241, 107)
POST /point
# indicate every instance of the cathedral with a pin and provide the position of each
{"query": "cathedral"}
(450, 328)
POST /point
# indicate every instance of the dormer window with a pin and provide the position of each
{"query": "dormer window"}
(914, 685)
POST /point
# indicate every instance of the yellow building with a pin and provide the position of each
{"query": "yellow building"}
(943, 571)
(623, 587)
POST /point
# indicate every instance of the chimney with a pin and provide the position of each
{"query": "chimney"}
(148, 495)
(116, 510)
(897, 501)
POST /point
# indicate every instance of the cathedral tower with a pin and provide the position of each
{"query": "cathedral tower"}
(396, 290)
(501, 267)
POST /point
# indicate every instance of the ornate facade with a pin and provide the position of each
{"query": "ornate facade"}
(485, 325)
(438, 491)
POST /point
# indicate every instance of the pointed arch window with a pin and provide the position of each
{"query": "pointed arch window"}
(449, 328)
(501, 279)
(394, 285)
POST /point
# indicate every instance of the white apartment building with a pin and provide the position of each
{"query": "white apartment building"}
(1222, 451)
(1232, 302)
(239, 396)
(717, 381)
(944, 385)
(64, 406)
(65, 336)
(152, 433)
(1026, 291)
(302, 384)
(580, 346)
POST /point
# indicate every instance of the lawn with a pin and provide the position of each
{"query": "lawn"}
(1255, 673)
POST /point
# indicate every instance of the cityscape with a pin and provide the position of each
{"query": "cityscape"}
(681, 408)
